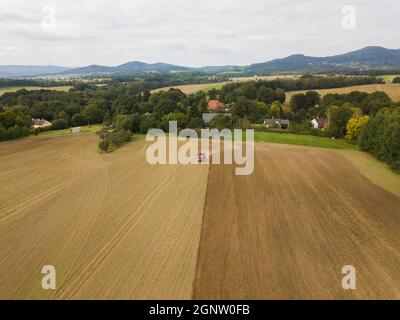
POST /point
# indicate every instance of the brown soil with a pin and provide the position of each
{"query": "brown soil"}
(116, 228)
(287, 231)
(113, 226)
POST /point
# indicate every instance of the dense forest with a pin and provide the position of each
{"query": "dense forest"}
(129, 107)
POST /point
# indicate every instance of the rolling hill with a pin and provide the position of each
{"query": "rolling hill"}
(367, 58)
(134, 67)
(29, 71)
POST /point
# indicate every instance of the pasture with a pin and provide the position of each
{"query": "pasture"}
(15, 89)
(389, 78)
(63, 132)
(303, 140)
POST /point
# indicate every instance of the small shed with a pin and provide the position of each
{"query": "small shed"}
(277, 123)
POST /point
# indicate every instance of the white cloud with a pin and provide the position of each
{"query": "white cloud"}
(188, 32)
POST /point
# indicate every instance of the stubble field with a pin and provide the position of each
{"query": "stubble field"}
(392, 90)
(113, 226)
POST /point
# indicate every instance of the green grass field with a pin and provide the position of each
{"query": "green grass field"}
(375, 170)
(14, 89)
(389, 78)
(303, 140)
(217, 86)
(54, 133)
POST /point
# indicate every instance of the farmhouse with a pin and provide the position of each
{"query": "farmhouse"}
(40, 123)
(215, 105)
(277, 123)
(319, 123)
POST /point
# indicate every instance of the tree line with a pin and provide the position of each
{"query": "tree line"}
(126, 108)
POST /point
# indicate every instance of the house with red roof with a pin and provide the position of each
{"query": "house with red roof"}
(215, 105)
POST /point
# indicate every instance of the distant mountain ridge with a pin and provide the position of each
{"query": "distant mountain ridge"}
(372, 57)
(18, 70)
(367, 58)
(133, 67)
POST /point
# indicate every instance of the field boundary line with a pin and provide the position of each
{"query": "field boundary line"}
(201, 236)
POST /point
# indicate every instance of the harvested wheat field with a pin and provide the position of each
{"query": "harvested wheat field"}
(287, 231)
(113, 226)
(392, 90)
(116, 228)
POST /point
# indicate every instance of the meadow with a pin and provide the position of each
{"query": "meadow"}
(31, 88)
(53, 133)
(304, 140)
(389, 78)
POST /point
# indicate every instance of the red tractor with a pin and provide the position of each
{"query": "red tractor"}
(202, 157)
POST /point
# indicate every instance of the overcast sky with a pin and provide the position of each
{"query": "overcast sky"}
(188, 32)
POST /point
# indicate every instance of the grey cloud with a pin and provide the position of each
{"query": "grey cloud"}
(189, 32)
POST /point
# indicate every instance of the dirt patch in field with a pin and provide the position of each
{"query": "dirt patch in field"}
(287, 231)
(112, 225)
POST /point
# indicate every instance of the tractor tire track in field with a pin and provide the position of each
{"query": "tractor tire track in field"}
(111, 244)
(116, 228)
(69, 225)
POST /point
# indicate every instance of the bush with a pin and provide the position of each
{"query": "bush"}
(7, 118)
(396, 80)
(59, 124)
(338, 119)
(104, 145)
(381, 137)
(221, 122)
(3, 133)
(354, 127)
(79, 120)
(114, 140)
(17, 132)
(128, 122)
(196, 123)
(149, 123)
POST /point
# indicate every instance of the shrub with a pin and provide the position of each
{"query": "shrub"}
(128, 122)
(338, 119)
(3, 133)
(59, 124)
(104, 145)
(16, 132)
(354, 127)
(381, 137)
(149, 123)
(114, 140)
(79, 120)
(396, 80)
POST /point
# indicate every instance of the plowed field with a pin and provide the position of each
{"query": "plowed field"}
(115, 227)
